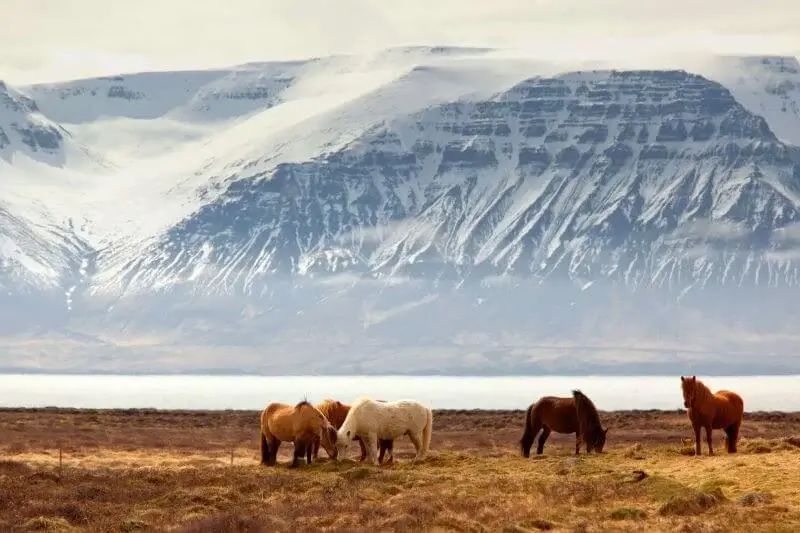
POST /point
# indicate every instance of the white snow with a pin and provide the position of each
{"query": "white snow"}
(141, 152)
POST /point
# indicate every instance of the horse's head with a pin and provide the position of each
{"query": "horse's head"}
(597, 440)
(600, 440)
(687, 388)
(343, 438)
(329, 440)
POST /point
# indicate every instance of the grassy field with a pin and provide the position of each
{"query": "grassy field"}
(198, 472)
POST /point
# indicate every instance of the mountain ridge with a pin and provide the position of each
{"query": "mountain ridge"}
(423, 187)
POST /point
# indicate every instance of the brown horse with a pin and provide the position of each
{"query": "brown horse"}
(551, 413)
(303, 424)
(590, 430)
(721, 410)
(336, 411)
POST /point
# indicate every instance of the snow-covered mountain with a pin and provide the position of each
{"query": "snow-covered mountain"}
(456, 209)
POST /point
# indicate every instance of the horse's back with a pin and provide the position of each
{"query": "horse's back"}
(730, 408)
(276, 419)
(406, 404)
(389, 420)
(559, 414)
(376, 406)
(732, 397)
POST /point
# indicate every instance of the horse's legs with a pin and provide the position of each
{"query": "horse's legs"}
(732, 432)
(274, 444)
(529, 436)
(697, 450)
(370, 443)
(542, 439)
(383, 447)
(308, 452)
(416, 440)
(299, 451)
(386, 445)
(708, 438)
(363, 449)
(316, 448)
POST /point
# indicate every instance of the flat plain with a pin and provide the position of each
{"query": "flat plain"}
(198, 471)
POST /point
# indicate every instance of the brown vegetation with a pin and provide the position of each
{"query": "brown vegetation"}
(171, 471)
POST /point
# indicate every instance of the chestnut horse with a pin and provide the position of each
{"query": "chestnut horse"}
(723, 410)
(336, 412)
(302, 424)
(551, 413)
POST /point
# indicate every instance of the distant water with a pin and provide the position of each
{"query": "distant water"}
(767, 393)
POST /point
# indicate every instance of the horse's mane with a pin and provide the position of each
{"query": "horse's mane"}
(302, 403)
(587, 412)
(702, 394)
(334, 410)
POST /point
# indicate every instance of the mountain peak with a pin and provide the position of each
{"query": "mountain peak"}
(782, 64)
(449, 201)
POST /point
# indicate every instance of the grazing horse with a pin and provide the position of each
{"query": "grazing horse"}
(372, 420)
(590, 430)
(551, 413)
(723, 410)
(302, 424)
(336, 411)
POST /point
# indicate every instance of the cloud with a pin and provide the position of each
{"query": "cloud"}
(790, 233)
(709, 229)
(390, 233)
(44, 40)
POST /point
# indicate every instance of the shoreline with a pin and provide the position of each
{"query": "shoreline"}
(759, 414)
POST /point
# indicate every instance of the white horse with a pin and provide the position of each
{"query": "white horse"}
(372, 420)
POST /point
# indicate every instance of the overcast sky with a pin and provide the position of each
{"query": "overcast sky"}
(42, 40)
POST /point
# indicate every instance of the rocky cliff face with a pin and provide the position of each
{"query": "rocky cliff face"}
(647, 178)
(23, 128)
(615, 221)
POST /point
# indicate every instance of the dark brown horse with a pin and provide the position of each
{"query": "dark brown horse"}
(551, 413)
(721, 410)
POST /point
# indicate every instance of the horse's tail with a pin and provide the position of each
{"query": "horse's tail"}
(264, 446)
(427, 431)
(528, 435)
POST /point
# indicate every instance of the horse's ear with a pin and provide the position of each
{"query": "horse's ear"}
(694, 379)
(682, 379)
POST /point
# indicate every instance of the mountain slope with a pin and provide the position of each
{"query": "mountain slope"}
(588, 175)
(419, 210)
(766, 86)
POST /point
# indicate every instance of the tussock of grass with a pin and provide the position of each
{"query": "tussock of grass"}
(765, 446)
(692, 503)
(132, 524)
(635, 452)
(47, 523)
(627, 513)
(537, 524)
(225, 523)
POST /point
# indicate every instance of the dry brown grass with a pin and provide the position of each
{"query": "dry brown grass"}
(162, 471)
